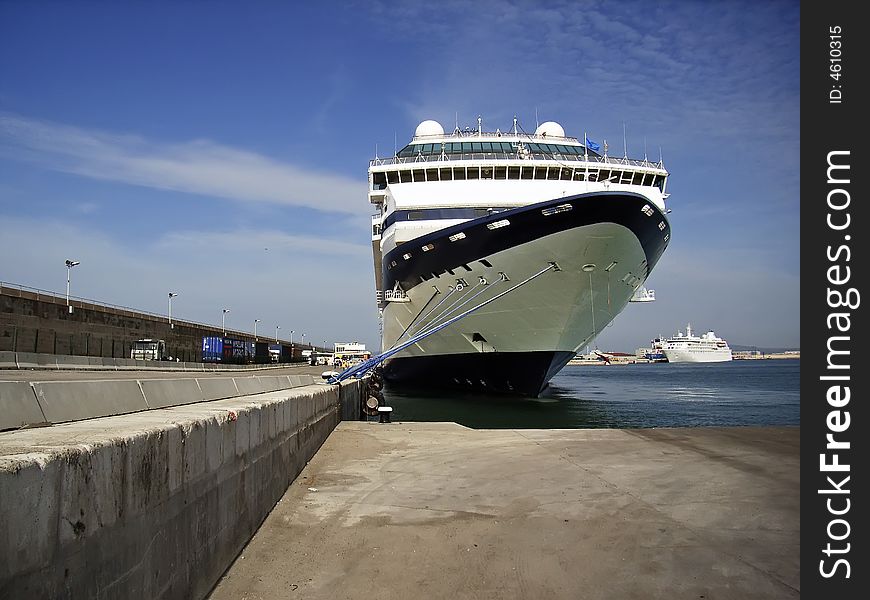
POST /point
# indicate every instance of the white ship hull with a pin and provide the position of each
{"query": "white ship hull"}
(684, 355)
(517, 342)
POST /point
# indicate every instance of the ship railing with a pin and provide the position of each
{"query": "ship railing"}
(423, 159)
(468, 132)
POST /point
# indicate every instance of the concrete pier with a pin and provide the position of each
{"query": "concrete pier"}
(427, 510)
(158, 503)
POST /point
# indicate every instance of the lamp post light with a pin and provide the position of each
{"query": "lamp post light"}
(69, 265)
(255, 329)
(171, 296)
(277, 327)
(224, 320)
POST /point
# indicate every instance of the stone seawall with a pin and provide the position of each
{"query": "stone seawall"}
(155, 504)
(40, 323)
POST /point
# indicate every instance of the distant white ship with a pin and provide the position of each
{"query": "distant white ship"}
(690, 348)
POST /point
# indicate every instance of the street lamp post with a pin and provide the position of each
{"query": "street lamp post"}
(255, 329)
(69, 265)
(291, 345)
(171, 296)
(303, 340)
(277, 327)
(224, 320)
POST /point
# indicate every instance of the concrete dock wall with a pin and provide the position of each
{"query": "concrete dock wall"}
(155, 504)
(53, 402)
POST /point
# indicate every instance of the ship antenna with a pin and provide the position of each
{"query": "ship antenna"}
(456, 116)
(395, 144)
(624, 144)
(661, 160)
(515, 125)
(479, 125)
(644, 148)
(536, 118)
(585, 146)
(376, 150)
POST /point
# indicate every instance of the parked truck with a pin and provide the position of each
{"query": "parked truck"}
(148, 349)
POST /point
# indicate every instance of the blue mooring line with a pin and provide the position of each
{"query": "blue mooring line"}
(360, 369)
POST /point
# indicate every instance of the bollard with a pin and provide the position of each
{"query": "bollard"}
(384, 413)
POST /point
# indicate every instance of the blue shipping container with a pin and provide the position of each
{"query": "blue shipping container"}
(212, 349)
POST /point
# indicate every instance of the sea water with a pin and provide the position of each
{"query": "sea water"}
(740, 392)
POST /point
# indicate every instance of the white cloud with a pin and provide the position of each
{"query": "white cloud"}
(198, 166)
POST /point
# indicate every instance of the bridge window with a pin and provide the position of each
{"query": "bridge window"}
(393, 176)
(474, 172)
(446, 174)
(432, 174)
(513, 173)
(405, 176)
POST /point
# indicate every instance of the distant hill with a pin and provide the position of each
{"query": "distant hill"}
(738, 348)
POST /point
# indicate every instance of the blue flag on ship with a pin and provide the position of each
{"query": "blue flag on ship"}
(592, 145)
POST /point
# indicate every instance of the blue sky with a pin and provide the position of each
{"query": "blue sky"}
(219, 149)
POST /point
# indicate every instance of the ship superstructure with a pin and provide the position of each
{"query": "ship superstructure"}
(690, 348)
(463, 217)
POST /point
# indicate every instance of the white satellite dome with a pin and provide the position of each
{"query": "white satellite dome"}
(429, 127)
(550, 128)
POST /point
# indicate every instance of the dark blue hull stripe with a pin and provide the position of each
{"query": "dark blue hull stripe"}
(527, 223)
(525, 373)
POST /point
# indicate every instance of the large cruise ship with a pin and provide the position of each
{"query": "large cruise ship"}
(501, 254)
(691, 348)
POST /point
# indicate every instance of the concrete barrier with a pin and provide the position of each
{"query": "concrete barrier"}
(18, 405)
(160, 393)
(217, 388)
(273, 383)
(8, 360)
(66, 362)
(63, 401)
(249, 385)
(156, 504)
(34, 360)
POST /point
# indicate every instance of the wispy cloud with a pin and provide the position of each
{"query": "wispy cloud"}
(197, 166)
